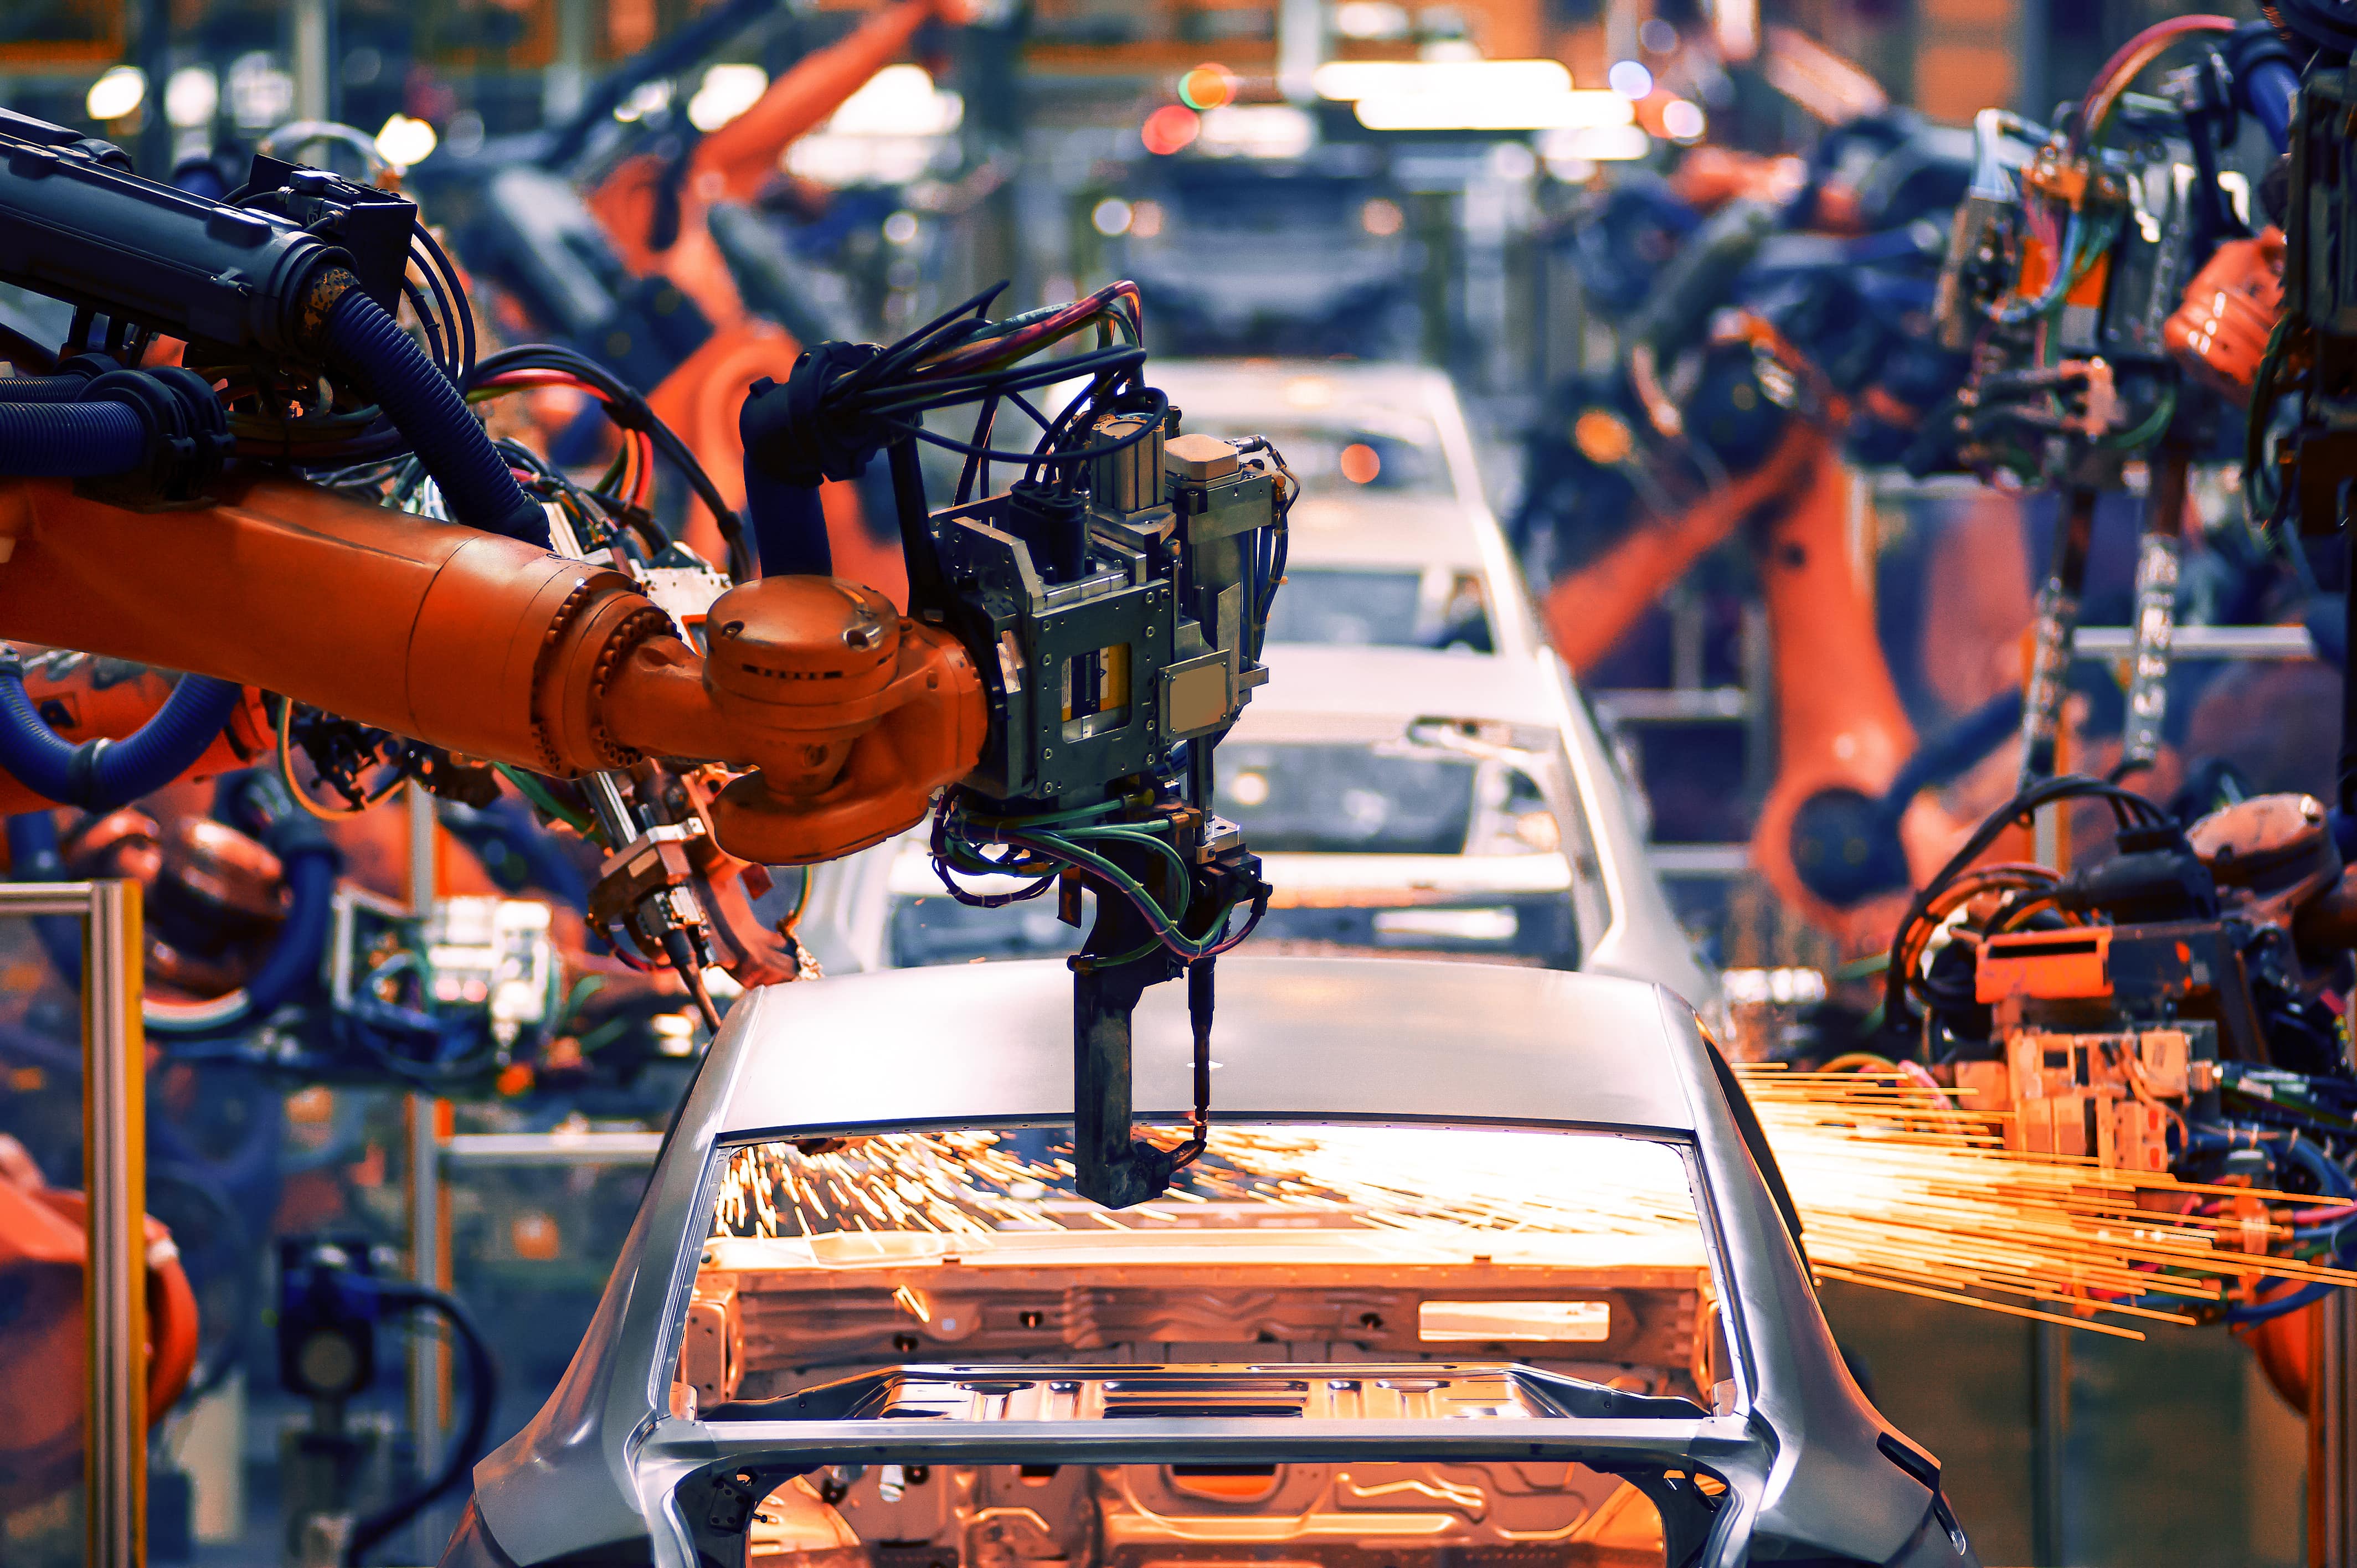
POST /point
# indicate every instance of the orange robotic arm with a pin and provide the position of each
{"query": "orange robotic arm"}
(1589, 611)
(43, 1245)
(700, 398)
(732, 163)
(1842, 734)
(847, 716)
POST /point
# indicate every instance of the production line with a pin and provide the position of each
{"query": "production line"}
(688, 819)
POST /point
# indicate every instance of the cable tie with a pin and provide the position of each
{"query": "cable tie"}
(630, 411)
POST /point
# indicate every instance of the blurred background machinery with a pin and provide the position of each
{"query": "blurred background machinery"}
(1681, 269)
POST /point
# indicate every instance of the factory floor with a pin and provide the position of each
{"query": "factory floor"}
(2177, 1450)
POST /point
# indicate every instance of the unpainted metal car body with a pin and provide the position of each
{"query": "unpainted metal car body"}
(933, 1408)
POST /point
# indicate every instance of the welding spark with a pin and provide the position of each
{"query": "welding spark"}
(1896, 1188)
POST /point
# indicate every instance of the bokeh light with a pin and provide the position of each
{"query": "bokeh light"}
(1168, 129)
(1207, 86)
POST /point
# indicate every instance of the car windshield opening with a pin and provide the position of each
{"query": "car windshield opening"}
(1383, 607)
(839, 1253)
(1326, 1273)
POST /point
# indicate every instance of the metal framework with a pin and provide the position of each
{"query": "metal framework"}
(115, 1177)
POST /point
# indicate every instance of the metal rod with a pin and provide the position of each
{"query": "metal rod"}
(2225, 642)
(115, 1177)
(2050, 1431)
(26, 898)
(466, 1150)
(2332, 1456)
(314, 52)
(2156, 609)
(2058, 619)
(424, 1168)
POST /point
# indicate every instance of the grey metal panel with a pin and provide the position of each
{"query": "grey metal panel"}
(1308, 1038)
(1644, 940)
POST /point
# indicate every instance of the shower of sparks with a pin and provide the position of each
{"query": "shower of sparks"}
(1896, 1189)
(978, 1184)
(1899, 1190)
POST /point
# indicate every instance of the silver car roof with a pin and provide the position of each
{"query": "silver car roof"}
(1294, 1038)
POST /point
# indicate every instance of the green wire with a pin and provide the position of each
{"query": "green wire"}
(1057, 843)
(534, 790)
(1025, 823)
(2153, 424)
(1170, 934)
(2263, 398)
(1128, 836)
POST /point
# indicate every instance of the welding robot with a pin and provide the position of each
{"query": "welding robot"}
(305, 507)
(1771, 315)
(1745, 330)
(2180, 1005)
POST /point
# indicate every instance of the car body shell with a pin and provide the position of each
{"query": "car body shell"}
(604, 1474)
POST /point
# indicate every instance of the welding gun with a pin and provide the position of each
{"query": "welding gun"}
(1114, 602)
(2173, 1008)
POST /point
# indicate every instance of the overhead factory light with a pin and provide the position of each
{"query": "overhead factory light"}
(1258, 130)
(1630, 78)
(727, 91)
(1467, 95)
(1350, 80)
(259, 94)
(1736, 22)
(1595, 143)
(891, 132)
(1481, 111)
(1371, 20)
(1110, 217)
(1683, 120)
(191, 97)
(406, 143)
(899, 101)
(118, 92)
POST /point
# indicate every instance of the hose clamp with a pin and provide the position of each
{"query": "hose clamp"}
(82, 785)
(188, 438)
